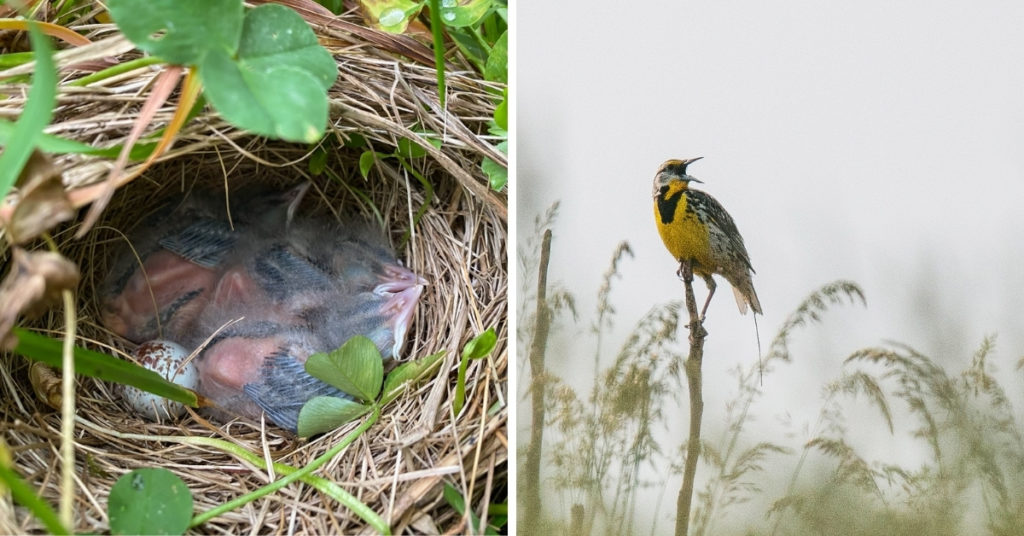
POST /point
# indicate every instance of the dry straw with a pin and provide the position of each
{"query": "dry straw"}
(398, 468)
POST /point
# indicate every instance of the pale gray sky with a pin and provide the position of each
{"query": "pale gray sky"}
(875, 141)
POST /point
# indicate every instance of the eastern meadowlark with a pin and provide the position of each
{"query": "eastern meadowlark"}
(696, 228)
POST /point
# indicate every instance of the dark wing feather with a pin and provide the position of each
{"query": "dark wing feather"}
(718, 217)
(285, 387)
(204, 242)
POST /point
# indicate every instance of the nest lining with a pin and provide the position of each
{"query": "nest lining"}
(460, 245)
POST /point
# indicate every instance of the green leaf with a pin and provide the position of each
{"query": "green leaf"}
(318, 161)
(458, 503)
(496, 68)
(366, 161)
(413, 148)
(409, 372)
(497, 509)
(501, 111)
(481, 345)
(26, 496)
(478, 347)
(334, 5)
(497, 517)
(138, 152)
(462, 13)
(36, 115)
(281, 101)
(275, 35)
(469, 45)
(325, 413)
(263, 70)
(355, 141)
(410, 149)
(102, 366)
(180, 31)
(494, 130)
(494, 24)
(495, 408)
(391, 15)
(356, 368)
(497, 174)
(454, 498)
(150, 500)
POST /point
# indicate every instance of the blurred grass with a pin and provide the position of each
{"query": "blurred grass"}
(968, 480)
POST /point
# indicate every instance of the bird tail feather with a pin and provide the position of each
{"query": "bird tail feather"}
(745, 295)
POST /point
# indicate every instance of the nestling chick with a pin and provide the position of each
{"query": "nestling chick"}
(169, 289)
(310, 290)
(274, 290)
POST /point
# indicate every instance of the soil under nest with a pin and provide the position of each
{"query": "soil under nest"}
(400, 465)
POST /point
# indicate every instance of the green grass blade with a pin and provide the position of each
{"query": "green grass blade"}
(115, 70)
(58, 145)
(102, 366)
(436, 28)
(25, 496)
(36, 115)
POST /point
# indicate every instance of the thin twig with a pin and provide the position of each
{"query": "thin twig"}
(693, 378)
(542, 325)
(67, 406)
(67, 414)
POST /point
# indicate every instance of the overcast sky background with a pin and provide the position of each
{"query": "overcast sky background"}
(874, 141)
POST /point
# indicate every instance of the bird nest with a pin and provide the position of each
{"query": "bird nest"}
(399, 467)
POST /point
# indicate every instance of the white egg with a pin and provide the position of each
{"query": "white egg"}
(165, 358)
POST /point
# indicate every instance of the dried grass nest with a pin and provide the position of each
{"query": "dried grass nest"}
(399, 466)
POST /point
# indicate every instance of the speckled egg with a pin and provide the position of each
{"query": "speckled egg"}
(165, 358)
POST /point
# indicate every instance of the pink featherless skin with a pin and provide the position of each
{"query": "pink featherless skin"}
(263, 295)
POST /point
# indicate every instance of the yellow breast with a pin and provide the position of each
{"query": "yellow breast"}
(684, 235)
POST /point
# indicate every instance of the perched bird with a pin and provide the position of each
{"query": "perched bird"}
(276, 288)
(696, 228)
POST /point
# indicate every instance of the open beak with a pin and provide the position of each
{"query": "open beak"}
(689, 161)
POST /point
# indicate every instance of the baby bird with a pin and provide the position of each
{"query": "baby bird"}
(183, 246)
(165, 295)
(310, 290)
(168, 290)
(271, 292)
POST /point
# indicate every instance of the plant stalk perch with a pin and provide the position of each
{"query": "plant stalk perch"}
(531, 476)
(693, 379)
